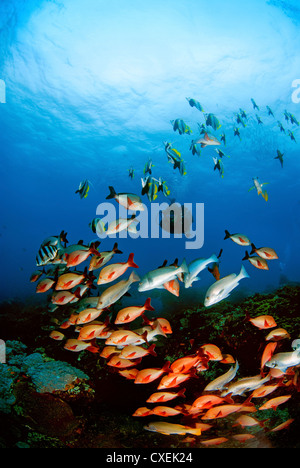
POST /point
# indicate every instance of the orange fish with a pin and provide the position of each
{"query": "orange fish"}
(69, 281)
(129, 374)
(107, 351)
(263, 391)
(116, 361)
(246, 421)
(125, 337)
(278, 334)
(264, 252)
(63, 297)
(263, 322)
(207, 402)
(80, 254)
(267, 354)
(284, 425)
(275, 402)
(88, 315)
(56, 335)
(228, 359)
(173, 287)
(143, 411)
(162, 397)
(102, 258)
(131, 313)
(212, 351)
(165, 411)
(77, 346)
(115, 270)
(216, 441)
(173, 380)
(145, 376)
(243, 437)
(135, 352)
(221, 411)
(91, 331)
(44, 285)
(258, 262)
(184, 364)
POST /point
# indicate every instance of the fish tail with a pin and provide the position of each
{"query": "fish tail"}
(116, 250)
(151, 350)
(253, 249)
(131, 262)
(112, 193)
(147, 305)
(134, 277)
(246, 256)
(227, 235)
(243, 273)
(184, 267)
(265, 195)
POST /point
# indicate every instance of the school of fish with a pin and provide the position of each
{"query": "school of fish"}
(123, 346)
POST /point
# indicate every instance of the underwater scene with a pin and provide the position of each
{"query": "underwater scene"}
(150, 220)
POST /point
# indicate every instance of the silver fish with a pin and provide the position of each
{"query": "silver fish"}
(115, 292)
(195, 267)
(222, 288)
(220, 382)
(156, 278)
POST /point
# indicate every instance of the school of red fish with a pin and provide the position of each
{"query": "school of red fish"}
(125, 347)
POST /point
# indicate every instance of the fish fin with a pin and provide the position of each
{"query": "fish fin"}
(116, 250)
(151, 350)
(227, 235)
(247, 256)
(131, 262)
(243, 273)
(147, 305)
(183, 267)
(253, 249)
(112, 193)
(265, 195)
(134, 277)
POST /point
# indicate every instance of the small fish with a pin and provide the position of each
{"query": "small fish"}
(160, 276)
(222, 288)
(258, 186)
(194, 148)
(69, 281)
(130, 201)
(121, 363)
(88, 315)
(212, 121)
(294, 120)
(163, 397)
(44, 285)
(283, 425)
(115, 292)
(286, 115)
(280, 157)
(222, 411)
(137, 352)
(115, 270)
(255, 106)
(206, 402)
(36, 275)
(172, 380)
(77, 346)
(97, 226)
(275, 402)
(171, 429)
(103, 257)
(79, 254)
(220, 382)
(256, 261)
(121, 224)
(126, 337)
(185, 364)
(282, 129)
(263, 391)
(243, 114)
(91, 331)
(181, 126)
(270, 112)
(215, 441)
(212, 352)
(258, 119)
(131, 173)
(278, 334)
(208, 140)
(267, 354)
(264, 252)
(57, 335)
(63, 297)
(108, 351)
(148, 167)
(195, 267)
(46, 254)
(223, 138)
(214, 270)
(145, 376)
(239, 239)
(131, 313)
(129, 374)
(236, 132)
(142, 412)
(194, 103)
(219, 165)
(240, 120)
(162, 187)
(221, 154)
(292, 136)
(243, 437)
(150, 188)
(263, 322)
(84, 188)
(165, 411)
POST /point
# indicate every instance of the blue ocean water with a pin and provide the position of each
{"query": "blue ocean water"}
(89, 89)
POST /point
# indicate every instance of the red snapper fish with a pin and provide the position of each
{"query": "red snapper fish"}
(115, 270)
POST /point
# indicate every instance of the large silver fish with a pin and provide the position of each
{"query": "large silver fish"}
(156, 278)
(245, 385)
(115, 292)
(283, 361)
(220, 382)
(195, 267)
(222, 288)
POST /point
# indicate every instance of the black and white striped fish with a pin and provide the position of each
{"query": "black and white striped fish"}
(46, 254)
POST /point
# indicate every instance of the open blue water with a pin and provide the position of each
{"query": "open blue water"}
(89, 89)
